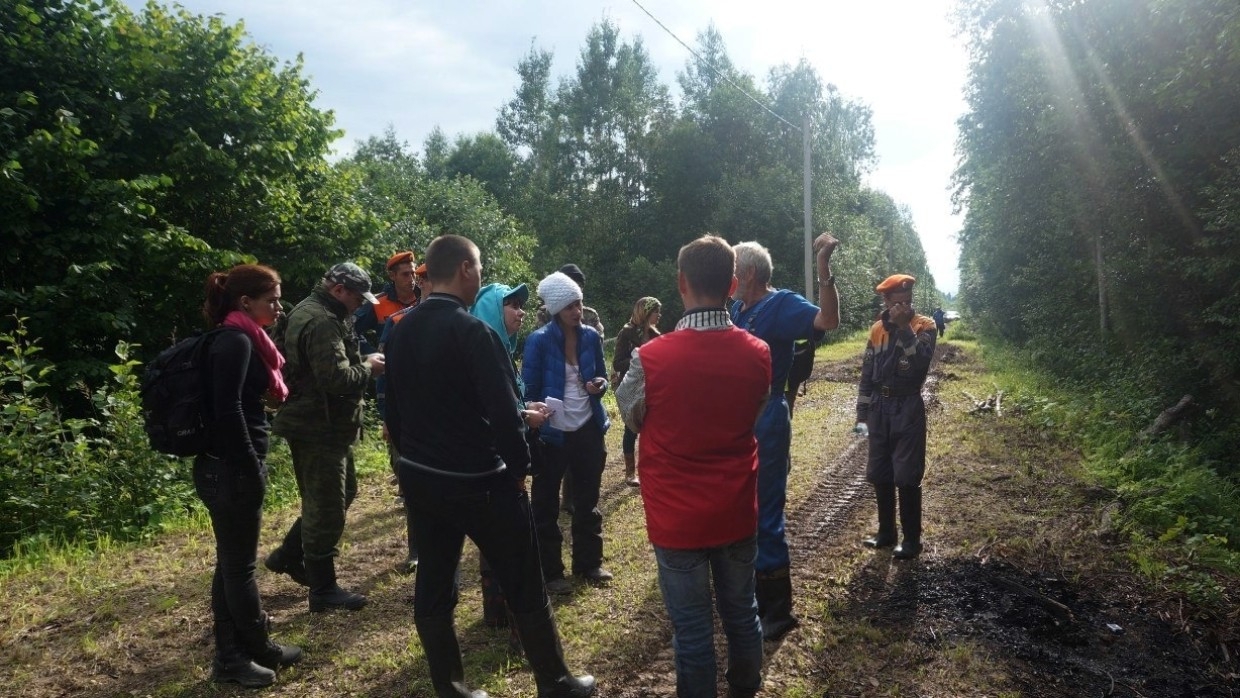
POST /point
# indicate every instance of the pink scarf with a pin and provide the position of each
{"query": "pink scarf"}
(266, 351)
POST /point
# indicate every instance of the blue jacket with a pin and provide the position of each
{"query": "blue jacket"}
(542, 368)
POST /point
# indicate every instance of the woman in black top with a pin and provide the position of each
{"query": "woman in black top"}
(641, 328)
(242, 366)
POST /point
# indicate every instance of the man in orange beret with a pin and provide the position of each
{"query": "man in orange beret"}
(400, 292)
(400, 295)
(890, 409)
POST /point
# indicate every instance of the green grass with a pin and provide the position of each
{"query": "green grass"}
(132, 617)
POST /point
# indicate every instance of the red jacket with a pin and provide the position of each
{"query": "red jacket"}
(699, 457)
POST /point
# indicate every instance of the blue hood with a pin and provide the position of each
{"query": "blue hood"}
(489, 307)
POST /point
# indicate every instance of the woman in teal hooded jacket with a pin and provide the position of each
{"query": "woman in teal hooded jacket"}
(502, 308)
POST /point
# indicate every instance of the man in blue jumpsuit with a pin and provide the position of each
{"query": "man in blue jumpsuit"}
(779, 318)
(890, 408)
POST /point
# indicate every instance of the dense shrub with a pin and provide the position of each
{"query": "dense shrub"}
(67, 479)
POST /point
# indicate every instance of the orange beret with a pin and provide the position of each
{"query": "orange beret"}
(421, 270)
(400, 258)
(896, 282)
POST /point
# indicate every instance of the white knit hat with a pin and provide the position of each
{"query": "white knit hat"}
(558, 292)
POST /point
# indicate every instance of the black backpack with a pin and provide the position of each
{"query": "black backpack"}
(174, 397)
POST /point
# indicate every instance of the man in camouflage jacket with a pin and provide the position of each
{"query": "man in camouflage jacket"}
(321, 420)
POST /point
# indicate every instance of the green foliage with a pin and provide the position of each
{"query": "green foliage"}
(413, 208)
(1172, 491)
(140, 150)
(69, 479)
(1099, 170)
(612, 176)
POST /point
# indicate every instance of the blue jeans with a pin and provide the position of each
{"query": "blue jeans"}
(685, 580)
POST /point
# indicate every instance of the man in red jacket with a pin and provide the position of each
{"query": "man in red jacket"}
(695, 395)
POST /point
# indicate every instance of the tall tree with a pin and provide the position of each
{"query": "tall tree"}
(140, 151)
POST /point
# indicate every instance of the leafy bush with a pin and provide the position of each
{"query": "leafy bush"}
(1173, 491)
(73, 479)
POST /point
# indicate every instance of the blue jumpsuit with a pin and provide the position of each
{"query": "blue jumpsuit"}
(779, 319)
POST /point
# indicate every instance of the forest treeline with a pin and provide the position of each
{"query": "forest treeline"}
(143, 149)
(1098, 166)
(1101, 171)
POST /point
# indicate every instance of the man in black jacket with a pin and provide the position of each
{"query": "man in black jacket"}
(453, 414)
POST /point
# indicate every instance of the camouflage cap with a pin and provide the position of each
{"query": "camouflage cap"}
(352, 277)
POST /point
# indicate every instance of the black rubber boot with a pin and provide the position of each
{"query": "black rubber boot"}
(546, 657)
(257, 643)
(910, 521)
(443, 656)
(325, 594)
(774, 591)
(886, 497)
(287, 559)
(232, 664)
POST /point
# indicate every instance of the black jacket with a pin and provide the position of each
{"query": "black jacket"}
(236, 381)
(451, 392)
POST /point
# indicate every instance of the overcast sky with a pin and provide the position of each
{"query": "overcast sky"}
(416, 64)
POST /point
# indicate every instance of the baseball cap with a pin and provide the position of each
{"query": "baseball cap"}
(521, 291)
(352, 277)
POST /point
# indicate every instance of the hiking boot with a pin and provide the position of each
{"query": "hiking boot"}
(241, 670)
(281, 562)
(598, 575)
(325, 594)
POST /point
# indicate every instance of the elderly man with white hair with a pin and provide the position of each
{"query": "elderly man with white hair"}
(779, 318)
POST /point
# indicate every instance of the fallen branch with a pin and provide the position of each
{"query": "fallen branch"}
(1169, 417)
(990, 404)
(1054, 607)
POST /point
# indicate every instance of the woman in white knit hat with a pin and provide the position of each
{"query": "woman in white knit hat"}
(564, 361)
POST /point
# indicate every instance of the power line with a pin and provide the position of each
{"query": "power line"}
(725, 78)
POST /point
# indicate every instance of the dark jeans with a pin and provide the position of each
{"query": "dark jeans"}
(583, 453)
(628, 445)
(774, 432)
(234, 498)
(494, 513)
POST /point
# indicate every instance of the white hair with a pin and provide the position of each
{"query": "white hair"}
(751, 255)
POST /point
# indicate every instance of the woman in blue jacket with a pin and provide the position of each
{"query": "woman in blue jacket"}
(564, 361)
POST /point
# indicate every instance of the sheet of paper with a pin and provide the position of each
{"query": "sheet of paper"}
(556, 407)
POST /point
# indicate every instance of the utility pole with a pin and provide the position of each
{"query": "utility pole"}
(809, 217)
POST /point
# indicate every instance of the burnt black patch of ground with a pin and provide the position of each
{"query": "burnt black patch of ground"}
(1056, 637)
